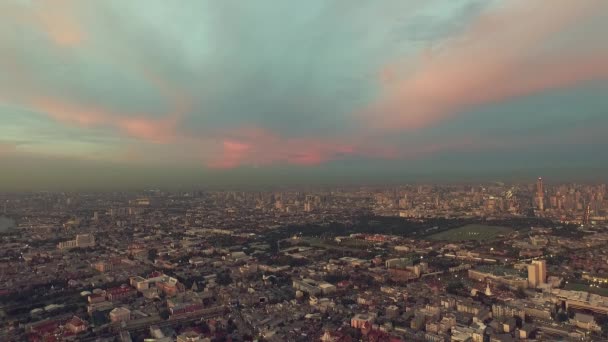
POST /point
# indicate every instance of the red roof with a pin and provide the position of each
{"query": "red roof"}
(76, 321)
(343, 283)
(45, 327)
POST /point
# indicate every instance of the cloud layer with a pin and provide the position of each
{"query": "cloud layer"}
(230, 85)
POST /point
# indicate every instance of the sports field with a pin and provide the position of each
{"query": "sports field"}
(469, 232)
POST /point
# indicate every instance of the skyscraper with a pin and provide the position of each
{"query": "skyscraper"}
(540, 191)
(540, 194)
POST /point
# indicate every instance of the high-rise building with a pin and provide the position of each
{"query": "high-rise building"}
(542, 270)
(540, 194)
(537, 273)
(533, 278)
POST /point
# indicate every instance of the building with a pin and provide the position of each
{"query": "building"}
(312, 287)
(99, 306)
(85, 240)
(540, 194)
(185, 308)
(81, 241)
(139, 283)
(189, 336)
(157, 283)
(169, 286)
(506, 311)
(97, 297)
(582, 300)
(361, 320)
(537, 273)
(512, 281)
(119, 293)
(533, 277)
(542, 270)
(120, 315)
(327, 288)
(76, 325)
(103, 266)
(586, 322)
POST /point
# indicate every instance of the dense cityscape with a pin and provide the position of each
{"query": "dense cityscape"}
(490, 262)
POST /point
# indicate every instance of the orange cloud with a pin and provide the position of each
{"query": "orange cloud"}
(492, 61)
(138, 126)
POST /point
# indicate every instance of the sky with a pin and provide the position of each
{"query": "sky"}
(111, 94)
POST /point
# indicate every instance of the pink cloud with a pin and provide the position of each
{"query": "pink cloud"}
(255, 146)
(59, 22)
(497, 58)
(233, 154)
(56, 19)
(159, 130)
(138, 126)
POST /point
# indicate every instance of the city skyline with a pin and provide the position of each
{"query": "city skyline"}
(119, 95)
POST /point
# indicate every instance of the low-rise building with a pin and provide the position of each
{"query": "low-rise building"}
(120, 315)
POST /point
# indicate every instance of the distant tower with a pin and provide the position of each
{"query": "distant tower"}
(540, 191)
(587, 216)
(540, 194)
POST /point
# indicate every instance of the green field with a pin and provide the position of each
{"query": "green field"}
(470, 232)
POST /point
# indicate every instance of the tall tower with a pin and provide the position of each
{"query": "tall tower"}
(540, 194)
(540, 191)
